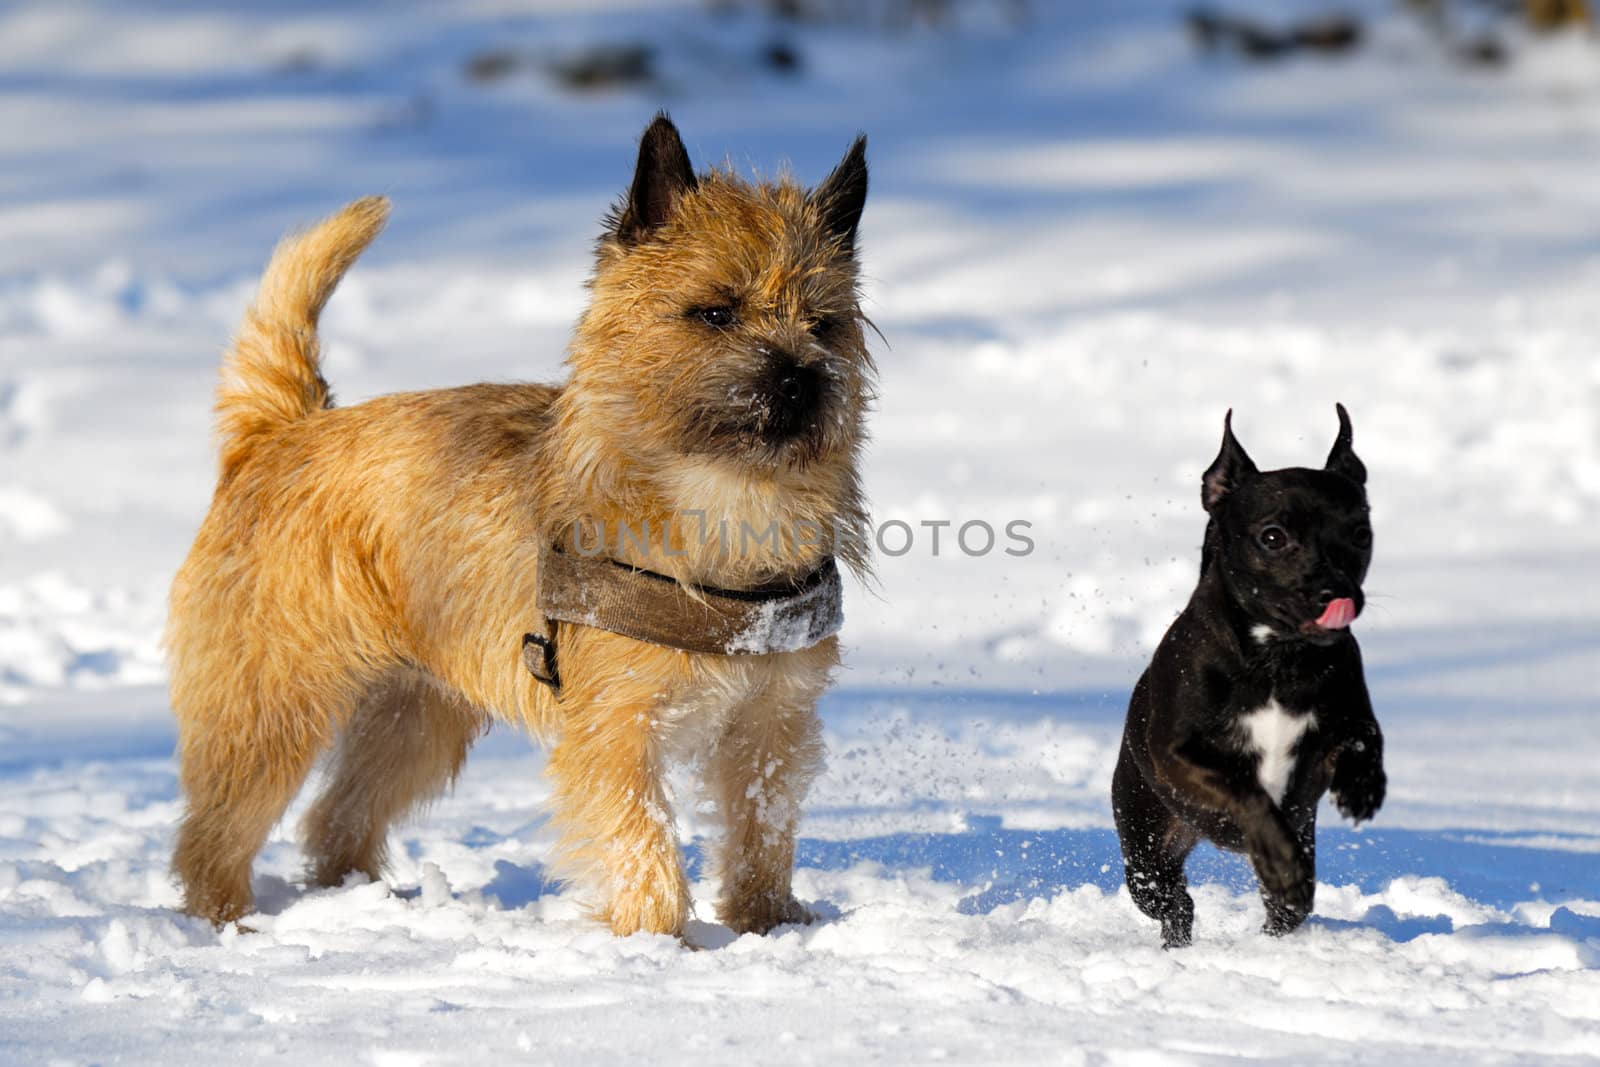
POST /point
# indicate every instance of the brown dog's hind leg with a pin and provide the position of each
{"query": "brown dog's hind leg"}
(759, 773)
(238, 773)
(402, 748)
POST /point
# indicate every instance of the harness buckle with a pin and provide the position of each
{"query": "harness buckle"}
(539, 656)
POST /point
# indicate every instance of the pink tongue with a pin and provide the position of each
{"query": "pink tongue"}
(1338, 614)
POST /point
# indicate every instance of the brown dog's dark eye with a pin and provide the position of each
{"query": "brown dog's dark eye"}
(824, 326)
(1362, 537)
(1273, 538)
(717, 317)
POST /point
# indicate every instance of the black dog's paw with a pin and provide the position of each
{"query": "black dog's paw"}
(1359, 788)
(1177, 926)
(1287, 912)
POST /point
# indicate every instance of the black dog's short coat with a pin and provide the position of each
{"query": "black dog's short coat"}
(1255, 704)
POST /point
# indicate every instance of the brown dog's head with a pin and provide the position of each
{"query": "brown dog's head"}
(725, 320)
(725, 334)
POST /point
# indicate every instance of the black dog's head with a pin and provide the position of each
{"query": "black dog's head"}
(1292, 545)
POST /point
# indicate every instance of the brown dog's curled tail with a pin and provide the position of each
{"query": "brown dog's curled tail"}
(271, 376)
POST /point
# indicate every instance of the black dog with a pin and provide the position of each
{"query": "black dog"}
(1255, 704)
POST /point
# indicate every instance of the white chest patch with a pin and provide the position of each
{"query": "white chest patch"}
(1272, 733)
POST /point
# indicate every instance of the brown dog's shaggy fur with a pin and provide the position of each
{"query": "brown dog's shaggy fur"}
(366, 574)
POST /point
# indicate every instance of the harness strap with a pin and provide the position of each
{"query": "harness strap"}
(782, 616)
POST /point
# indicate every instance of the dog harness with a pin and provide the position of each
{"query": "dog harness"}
(607, 594)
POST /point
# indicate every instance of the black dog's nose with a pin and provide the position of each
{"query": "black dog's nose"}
(1326, 597)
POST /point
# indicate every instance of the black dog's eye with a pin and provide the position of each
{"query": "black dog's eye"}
(1273, 538)
(717, 317)
(1362, 537)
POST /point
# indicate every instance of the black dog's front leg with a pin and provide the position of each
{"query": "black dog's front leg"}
(1225, 802)
(1286, 911)
(1359, 782)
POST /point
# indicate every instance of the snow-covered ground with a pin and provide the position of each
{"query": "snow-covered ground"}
(1084, 242)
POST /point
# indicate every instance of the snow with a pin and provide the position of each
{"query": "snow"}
(1084, 243)
(794, 623)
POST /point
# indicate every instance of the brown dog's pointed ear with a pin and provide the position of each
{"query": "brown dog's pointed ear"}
(1343, 459)
(843, 194)
(1228, 471)
(661, 177)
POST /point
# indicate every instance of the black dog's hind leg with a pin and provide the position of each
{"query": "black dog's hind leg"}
(1155, 844)
(1158, 885)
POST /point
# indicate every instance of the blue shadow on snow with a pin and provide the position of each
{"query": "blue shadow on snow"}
(1013, 865)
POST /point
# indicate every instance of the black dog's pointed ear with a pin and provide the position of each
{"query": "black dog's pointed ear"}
(661, 177)
(843, 194)
(1228, 471)
(1343, 459)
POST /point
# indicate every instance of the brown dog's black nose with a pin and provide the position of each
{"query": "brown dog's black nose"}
(793, 392)
(798, 387)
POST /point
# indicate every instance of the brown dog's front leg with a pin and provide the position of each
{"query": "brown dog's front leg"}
(759, 773)
(610, 796)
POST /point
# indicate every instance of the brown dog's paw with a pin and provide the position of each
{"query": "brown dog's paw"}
(220, 908)
(650, 906)
(764, 914)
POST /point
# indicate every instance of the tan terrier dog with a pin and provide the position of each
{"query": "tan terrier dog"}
(366, 575)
